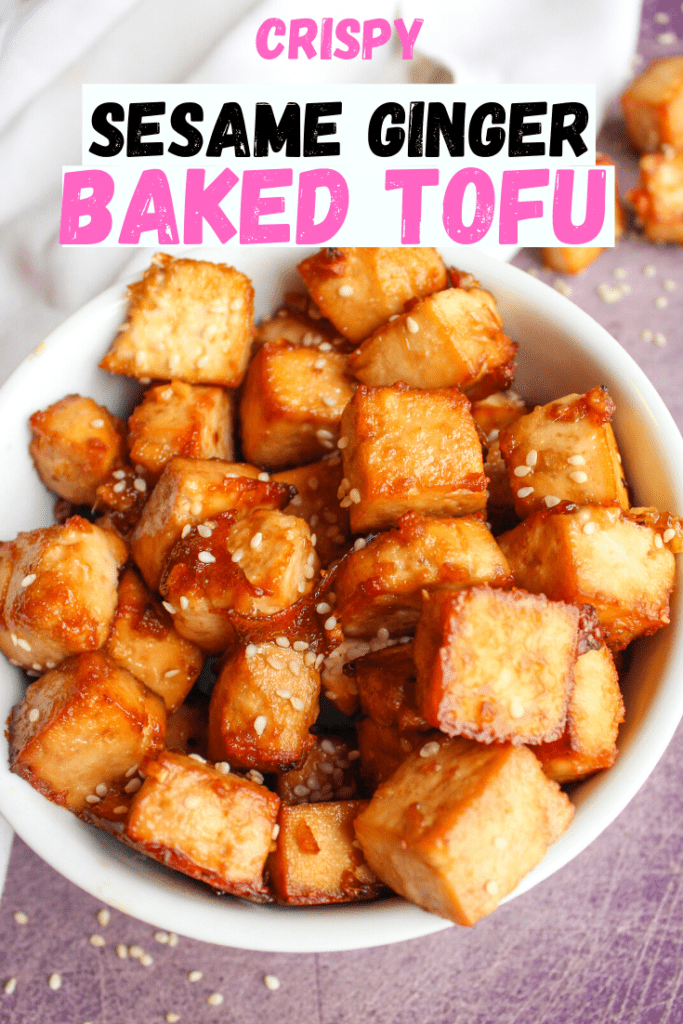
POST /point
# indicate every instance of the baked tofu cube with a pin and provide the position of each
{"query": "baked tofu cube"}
(301, 327)
(81, 727)
(144, 641)
(496, 665)
(262, 707)
(316, 501)
(187, 320)
(75, 445)
(58, 592)
(329, 771)
(381, 585)
(597, 556)
(653, 106)
(595, 710)
(454, 337)
(358, 289)
(457, 828)
(386, 683)
(189, 492)
(383, 748)
(565, 451)
(191, 420)
(658, 201)
(212, 826)
(187, 728)
(318, 859)
(292, 403)
(410, 451)
(496, 411)
(121, 497)
(256, 565)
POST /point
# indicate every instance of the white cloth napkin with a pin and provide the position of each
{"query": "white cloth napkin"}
(49, 48)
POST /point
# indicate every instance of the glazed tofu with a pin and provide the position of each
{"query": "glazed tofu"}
(328, 771)
(262, 707)
(595, 711)
(81, 727)
(410, 451)
(304, 326)
(597, 556)
(189, 492)
(456, 829)
(496, 411)
(212, 826)
(144, 641)
(496, 666)
(317, 859)
(658, 201)
(386, 683)
(381, 585)
(653, 106)
(256, 565)
(187, 320)
(383, 748)
(316, 501)
(58, 592)
(358, 289)
(75, 445)
(192, 420)
(121, 497)
(454, 337)
(292, 403)
(565, 451)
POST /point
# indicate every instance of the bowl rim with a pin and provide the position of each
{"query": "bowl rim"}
(143, 890)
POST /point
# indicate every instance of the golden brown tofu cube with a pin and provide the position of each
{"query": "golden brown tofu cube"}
(81, 727)
(329, 771)
(597, 556)
(565, 451)
(301, 327)
(454, 337)
(595, 710)
(658, 201)
(496, 665)
(144, 641)
(191, 420)
(384, 748)
(59, 592)
(189, 492)
(316, 501)
(121, 497)
(187, 320)
(256, 565)
(212, 826)
(358, 289)
(292, 403)
(263, 706)
(318, 859)
(380, 586)
(653, 106)
(386, 683)
(75, 445)
(410, 451)
(187, 728)
(456, 829)
(496, 411)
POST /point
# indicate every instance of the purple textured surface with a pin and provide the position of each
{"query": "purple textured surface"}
(600, 941)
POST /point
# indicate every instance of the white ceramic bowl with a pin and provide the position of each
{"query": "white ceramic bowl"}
(561, 350)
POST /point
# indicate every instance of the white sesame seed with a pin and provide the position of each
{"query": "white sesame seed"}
(146, 960)
(325, 347)
(172, 1018)
(238, 555)
(140, 485)
(660, 339)
(255, 776)
(661, 18)
(97, 424)
(302, 586)
(206, 557)
(250, 650)
(516, 708)
(169, 607)
(33, 715)
(195, 976)
(412, 325)
(121, 809)
(260, 723)
(650, 270)
(257, 540)
(329, 400)
(222, 767)
(28, 580)
(323, 608)
(343, 442)
(669, 285)
(589, 527)
(562, 287)
(9, 986)
(551, 501)
(297, 703)
(646, 335)
(136, 952)
(359, 544)
(55, 982)
(668, 535)
(119, 474)
(196, 508)
(382, 633)
(309, 659)
(661, 302)
(620, 273)
(204, 531)
(331, 622)
(294, 666)
(658, 540)
(319, 660)
(491, 887)
(184, 604)
(297, 500)
(301, 790)
(319, 364)
(131, 771)
(576, 460)
(322, 435)
(274, 663)
(300, 645)
(429, 749)
(161, 937)
(667, 38)
(97, 940)
(354, 755)
(345, 291)
(172, 939)
(578, 476)
(133, 786)
(198, 757)
(524, 492)
(215, 999)
(101, 789)
(354, 495)
(531, 457)
(121, 951)
(522, 470)
(92, 799)
(202, 362)
(119, 487)
(20, 917)
(271, 982)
